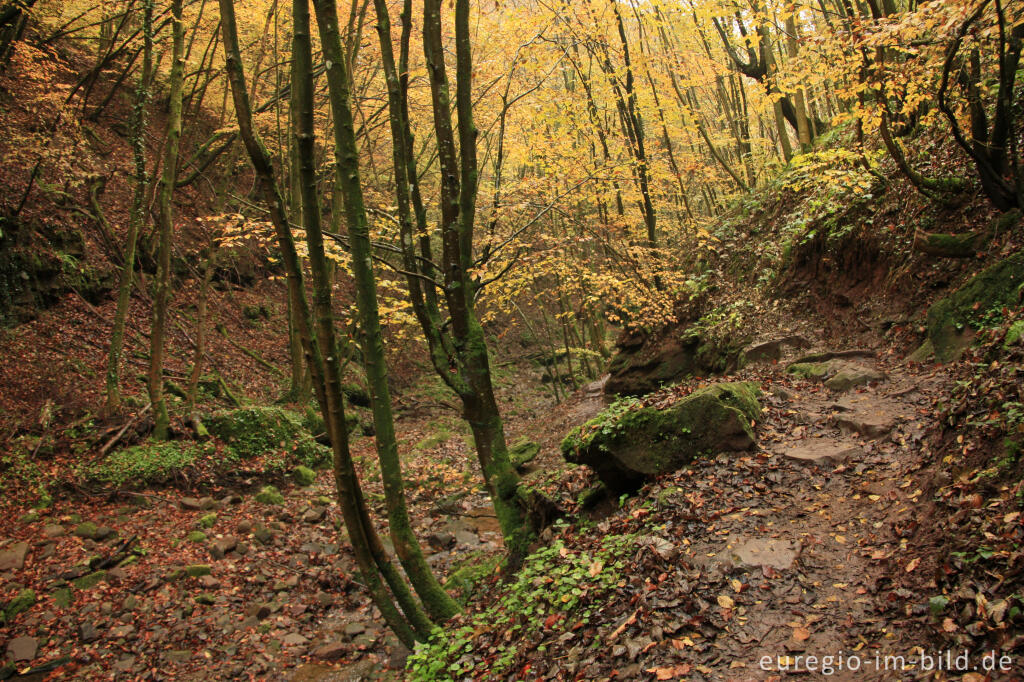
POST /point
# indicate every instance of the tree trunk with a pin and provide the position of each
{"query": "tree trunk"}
(165, 225)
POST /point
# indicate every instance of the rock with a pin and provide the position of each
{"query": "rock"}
(205, 598)
(771, 351)
(85, 530)
(949, 319)
(640, 367)
(178, 656)
(314, 515)
(22, 648)
(304, 476)
(849, 376)
(207, 503)
(628, 443)
(270, 495)
(209, 582)
(837, 374)
(468, 538)
(220, 547)
(207, 520)
(126, 631)
(190, 504)
(196, 536)
(54, 530)
(871, 428)
(263, 535)
(25, 600)
(89, 581)
(523, 452)
(87, 632)
(924, 352)
(755, 553)
(821, 451)
(330, 652)
(103, 533)
(252, 431)
(13, 559)
(441, 540)
(294, 639)
(62, 597)
(244, 527)
(354, 629)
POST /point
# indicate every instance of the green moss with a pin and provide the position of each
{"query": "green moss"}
(85, 530)
(1014, 334)
(197, 570)
(523, 451)
(304, 476)
(196, 536)
(465, 579)
(142, 465)
(808, 370)
(950, 319)
(87, 582)
(25, 600)
(256, 431)
(270, 495)
(207, 520)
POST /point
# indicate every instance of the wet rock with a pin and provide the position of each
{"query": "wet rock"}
(22, 648)
(821, 451)
(13, 559)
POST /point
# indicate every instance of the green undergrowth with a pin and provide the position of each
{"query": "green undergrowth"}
(147, 464)
(556, 585)
(283, 438)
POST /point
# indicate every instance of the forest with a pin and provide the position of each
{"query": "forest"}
(511, 339)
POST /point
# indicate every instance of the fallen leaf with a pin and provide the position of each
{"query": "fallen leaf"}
(912, 564)
(801, 634)
(725, 601)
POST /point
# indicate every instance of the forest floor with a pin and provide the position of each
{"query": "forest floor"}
(747, 565)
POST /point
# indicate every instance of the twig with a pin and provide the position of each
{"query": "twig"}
(110, 443)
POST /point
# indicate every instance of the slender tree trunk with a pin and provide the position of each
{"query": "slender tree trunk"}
(165, 223)
(202, 313)
(135, 218)
(437, 602)
(326, 373)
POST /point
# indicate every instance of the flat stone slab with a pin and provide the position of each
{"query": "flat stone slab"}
(869, 427)
(821, 452)
(755, 553)
(22, 648)
(13, 559)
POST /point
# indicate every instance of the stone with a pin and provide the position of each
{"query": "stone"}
(263, 535)
(950, 319)
(821, 451)
(207, 521)
(87, 632)
(755, 553)
(771, 351)
(209, 582)
(89, 581)
(24, 600)
(354, 629)
(178, 656)
(103, 533)
(330, 652)
(849, 376)
(244, 526)
(270, 495)
(304, 476)
(441, 540)
(221, 546)
(628, 443)
(54, 530)
(871, 428)
(13, 559)
(314, 515)
(196, 536)
(294, 639)
(205, 598)
(523, 452)
(22, 648)
(467, 538)
(126, 631)
(86, 530)
(190, 504)
(207, 503)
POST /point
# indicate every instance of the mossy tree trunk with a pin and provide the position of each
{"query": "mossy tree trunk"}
(437, 602)
(325, 372)
(165, 223)
(138, 142)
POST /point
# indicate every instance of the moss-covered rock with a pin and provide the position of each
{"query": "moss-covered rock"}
(837, 374)
(255, 431)
(24, 600)
(270, 495)
(628, 442)
(196, 536)
(304, 476)
(951, 319)
(522, 452)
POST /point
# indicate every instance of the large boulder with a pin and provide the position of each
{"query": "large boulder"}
(643, 364)
(950, 319)
(628, 443)
(256, 431)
